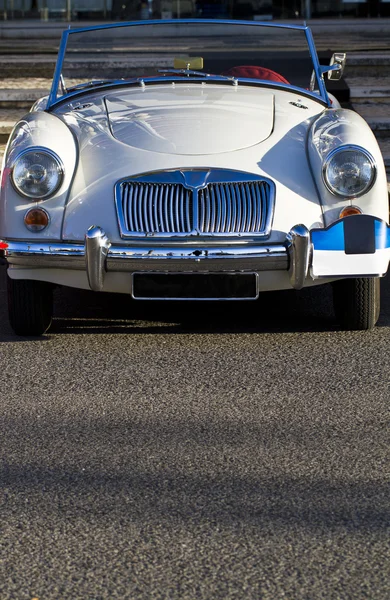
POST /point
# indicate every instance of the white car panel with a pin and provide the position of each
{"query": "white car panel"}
(36, 130)
(343, 127)
(195, 120)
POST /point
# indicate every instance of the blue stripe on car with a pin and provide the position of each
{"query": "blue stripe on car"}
(332, 238)
(382, 235)
(329, 239)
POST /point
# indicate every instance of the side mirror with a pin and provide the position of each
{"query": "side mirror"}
(337, 65)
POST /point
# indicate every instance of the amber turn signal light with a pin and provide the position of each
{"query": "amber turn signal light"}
(348, 211)
(36, 219)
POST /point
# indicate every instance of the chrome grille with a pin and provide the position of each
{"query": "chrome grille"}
(156, 208)
(215, 202)
(233, 207)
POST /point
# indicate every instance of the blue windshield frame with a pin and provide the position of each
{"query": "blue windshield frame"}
(323, 94)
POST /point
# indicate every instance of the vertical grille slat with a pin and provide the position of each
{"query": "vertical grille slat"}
(170, 204)
(219, 208)
(222, 208)
(178, 223)
(149, 204)
(213, 209)
(125, 207)
(135, 205)
(145, 211)
(130, 208)
(160, 209)
(262, 209)
(206, 226)
(186, 200)
(228, 209)
(258, 210)
(154, 203)
(201, 212)
(140, 217)
(234, 209)
(248, 207)
(165, 212)
(239, 208)
(244, 206)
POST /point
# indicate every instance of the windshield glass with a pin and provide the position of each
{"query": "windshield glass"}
(261, 52)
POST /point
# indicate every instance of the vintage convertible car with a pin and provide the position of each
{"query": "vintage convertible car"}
(192, 159)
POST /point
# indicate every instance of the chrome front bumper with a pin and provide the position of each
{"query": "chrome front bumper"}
(98, 256)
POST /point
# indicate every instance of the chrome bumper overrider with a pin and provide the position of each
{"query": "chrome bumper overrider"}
(97, 256)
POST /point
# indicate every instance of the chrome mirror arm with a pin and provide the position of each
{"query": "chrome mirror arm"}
(62, 84)
(336, 67)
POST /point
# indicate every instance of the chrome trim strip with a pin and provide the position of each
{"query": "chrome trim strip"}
(129, 258)
(349, 276)
(98, 256)
(299, 253)
(97, 246)
(55, 249)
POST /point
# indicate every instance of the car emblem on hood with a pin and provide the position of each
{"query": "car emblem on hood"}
(299, 105)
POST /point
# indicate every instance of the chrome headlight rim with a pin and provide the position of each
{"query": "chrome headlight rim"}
(54, 156)
(352, 148)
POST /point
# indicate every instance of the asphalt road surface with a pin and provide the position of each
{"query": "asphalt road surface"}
(181, 452)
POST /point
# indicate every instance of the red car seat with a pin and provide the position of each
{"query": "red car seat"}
(253, 72)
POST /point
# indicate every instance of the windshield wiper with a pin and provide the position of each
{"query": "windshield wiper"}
(183, 72)
(189, 72)
(92, 83)
(99, 82)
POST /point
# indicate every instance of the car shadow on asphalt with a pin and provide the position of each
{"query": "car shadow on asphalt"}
(308, 310)
(79, 312)
(277, 311)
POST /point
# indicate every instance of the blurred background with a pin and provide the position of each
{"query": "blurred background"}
(236, 9)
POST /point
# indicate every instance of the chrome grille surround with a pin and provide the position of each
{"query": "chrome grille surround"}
(196, 202)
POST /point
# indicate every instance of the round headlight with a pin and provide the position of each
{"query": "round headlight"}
(349, 171)
(37, 173)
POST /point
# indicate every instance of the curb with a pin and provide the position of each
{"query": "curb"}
(378, 124)
(367, 93)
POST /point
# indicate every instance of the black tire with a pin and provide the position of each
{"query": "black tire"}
(357, 302)
(30, 306)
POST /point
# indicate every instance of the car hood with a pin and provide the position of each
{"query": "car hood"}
(116, 141)
(190, 120)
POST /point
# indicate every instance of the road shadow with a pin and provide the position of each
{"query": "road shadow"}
(159, 472)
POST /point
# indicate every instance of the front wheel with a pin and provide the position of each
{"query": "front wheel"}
(30, 306)
(357, 302)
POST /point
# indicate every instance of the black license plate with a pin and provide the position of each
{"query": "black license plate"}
(195, 286)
